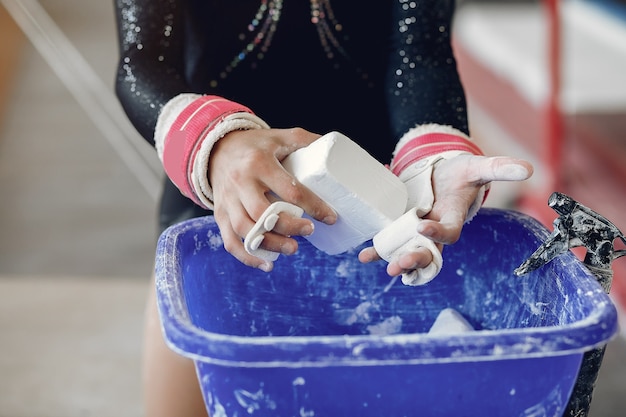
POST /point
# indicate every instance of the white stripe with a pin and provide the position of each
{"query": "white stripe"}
(198, 110)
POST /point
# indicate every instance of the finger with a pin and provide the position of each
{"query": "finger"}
(286, 186)
(419, 258)
(237, 218)
(446, 231)
(451, 206)
(368, 255)
(276, 238)
(234, 246)
(501, 168)
(235, 223)
(288, 225)
(279, 244)
(294, 139)
(291, 190)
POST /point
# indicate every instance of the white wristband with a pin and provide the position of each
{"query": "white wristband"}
(200, 171)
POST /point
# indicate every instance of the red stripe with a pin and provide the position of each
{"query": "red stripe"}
(430, 144)
(185, 136)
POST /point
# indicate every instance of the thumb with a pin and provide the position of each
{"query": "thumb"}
(502, 168)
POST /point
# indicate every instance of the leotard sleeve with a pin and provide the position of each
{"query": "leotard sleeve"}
(423, 84)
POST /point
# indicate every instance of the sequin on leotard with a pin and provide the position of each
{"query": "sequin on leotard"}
(328, 30)
(261, 28)
(260, 32)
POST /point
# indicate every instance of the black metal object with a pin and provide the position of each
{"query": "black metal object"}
(579, 226)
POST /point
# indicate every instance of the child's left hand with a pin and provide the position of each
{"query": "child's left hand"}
(457, 183)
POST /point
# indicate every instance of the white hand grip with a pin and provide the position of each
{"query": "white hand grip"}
(265, 224)
(401, 237)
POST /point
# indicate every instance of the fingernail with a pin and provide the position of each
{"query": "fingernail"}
(307, 229)
(425, 229)
(516, 172)
(266, 266)
(330, 219)
(288, 249)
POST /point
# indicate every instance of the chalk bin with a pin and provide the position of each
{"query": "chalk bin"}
(326, 336)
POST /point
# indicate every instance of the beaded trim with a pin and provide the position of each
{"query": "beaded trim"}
(262, 27)
(323, 17)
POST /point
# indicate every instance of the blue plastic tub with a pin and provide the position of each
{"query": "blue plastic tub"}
(327, 336)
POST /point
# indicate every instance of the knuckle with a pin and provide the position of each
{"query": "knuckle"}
(254, 158)
(298, 132)
(231, 246)
(255, 155)
(454, 237)
(239, 226)
(220, 215)
(256, 209)
(302, 136)
(294, 194)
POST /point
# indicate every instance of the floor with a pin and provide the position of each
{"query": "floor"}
(78, 222)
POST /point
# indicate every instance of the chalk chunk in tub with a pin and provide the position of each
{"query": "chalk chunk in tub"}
(450, 322)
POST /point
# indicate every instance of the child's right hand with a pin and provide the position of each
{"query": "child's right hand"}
(246, 175)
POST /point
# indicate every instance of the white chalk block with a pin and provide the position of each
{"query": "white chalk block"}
(364, 193)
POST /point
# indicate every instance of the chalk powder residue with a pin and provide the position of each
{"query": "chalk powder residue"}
(214, 240)
(391, 325)
(253, 401)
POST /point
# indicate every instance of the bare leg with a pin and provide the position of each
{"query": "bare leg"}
(170, 384)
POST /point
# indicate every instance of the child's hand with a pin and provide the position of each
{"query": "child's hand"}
(457, 183)
(245, 174)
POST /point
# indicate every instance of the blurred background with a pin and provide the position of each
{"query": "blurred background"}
(78, 187)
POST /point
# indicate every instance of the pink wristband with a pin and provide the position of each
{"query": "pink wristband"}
(430, 144)
(186, 135)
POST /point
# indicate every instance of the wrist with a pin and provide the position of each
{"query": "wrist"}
(416, 155)
(188, 127)
(426, 143)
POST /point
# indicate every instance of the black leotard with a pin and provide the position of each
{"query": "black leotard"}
(391, 67)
